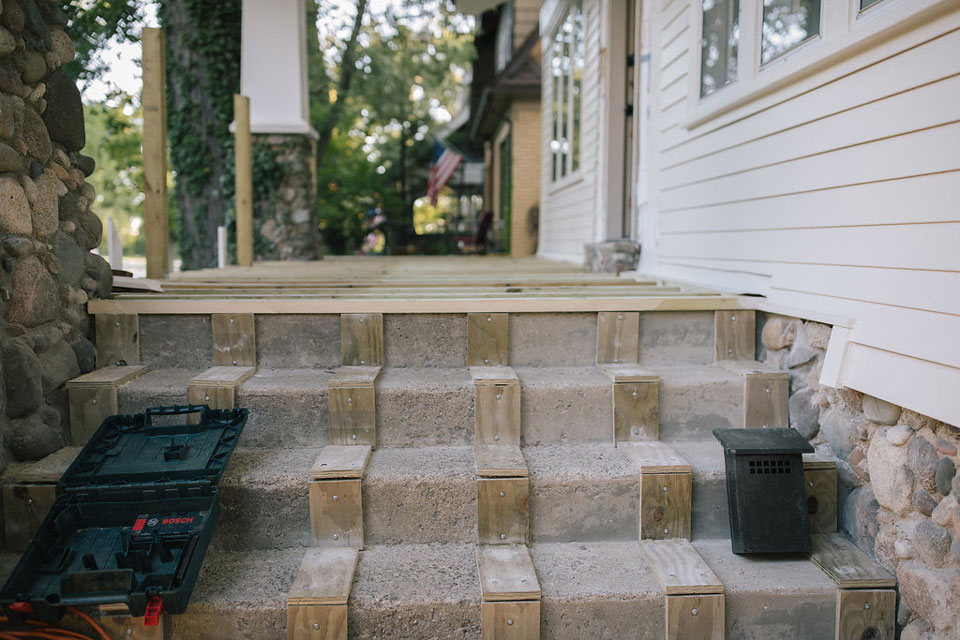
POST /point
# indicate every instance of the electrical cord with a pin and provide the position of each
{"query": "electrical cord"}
(44, 631)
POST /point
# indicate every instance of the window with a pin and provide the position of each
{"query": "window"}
(718, 47)
(566, 68)
(867, 3)
(786, 24)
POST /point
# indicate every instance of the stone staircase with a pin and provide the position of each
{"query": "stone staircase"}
(567, 494)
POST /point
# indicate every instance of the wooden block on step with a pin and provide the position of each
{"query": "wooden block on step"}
(654, 457)
(317, 622)
(112, 376)
(325, 577)
(821, 486)
(866, 613)
(696, 617)
(846, 565)
(497, 413)
(665, 505)
(44, 471)
(629, 373)
(234, 339)
(636, 411)
(118, 339)
(341, 462)
(24, 508)
(353, 415)
(766, 398)
(494, 375)
(353, 377)
(500, 461)
(618, 337)
(506, 573)
(336, 513)
(89, 407)
(510, 620)
(679, 568)
(735, 335)
(214, 397)
(361, 339)
(487, 338)
(815, 462)
(223, 376)
(503, 510)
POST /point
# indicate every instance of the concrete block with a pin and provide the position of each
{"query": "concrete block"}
(184, 342)
(294, 341)
(425, 340)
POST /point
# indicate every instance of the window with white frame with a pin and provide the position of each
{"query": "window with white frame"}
(718, 44)
(566, 70)
(787, 24)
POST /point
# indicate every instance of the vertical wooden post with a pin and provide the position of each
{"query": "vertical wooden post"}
(154, 102)
(242, 150)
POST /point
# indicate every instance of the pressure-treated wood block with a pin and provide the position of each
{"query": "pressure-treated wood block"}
(618, 337)
(224, 376)
(506, 573)
(317, 622)
(821, 498)
(341, 462)
(503, 510)
(510, 620)
(234, 339)
(665, 505)
(846, 565)
(866, 613)
(325, 577)
(735, 335)
(679, 568)
(355, 376)
(361, 339)
(497, 413)
(493, 375)
(112, 376)
(118, 339)
(699, 617)
(636, 411)
(336, 513)
(353, 418)
(24, 508)
(766, 398)
(653, 457)
(487, 338)
(89, 407)
(629, 373)
(216, 388)
(500, 461)
(118, 623)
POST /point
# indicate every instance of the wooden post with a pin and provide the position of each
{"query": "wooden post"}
(154, 101)
(242, 150)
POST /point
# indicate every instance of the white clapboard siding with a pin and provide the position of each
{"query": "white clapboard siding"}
(840, 199)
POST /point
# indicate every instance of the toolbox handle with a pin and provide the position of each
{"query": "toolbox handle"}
(175, 410)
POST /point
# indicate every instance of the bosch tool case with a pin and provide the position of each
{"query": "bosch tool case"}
(137, 512)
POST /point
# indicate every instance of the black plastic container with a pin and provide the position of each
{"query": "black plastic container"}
(766, 496)
(137, 513)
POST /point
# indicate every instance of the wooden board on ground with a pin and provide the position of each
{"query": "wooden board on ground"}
(629, 373)
(653, 457)
(223, 376)
(506, 573)
(735, 335)
(494, 375)
(866, 613)
(361, 339)
(503, 510)
(336, 513)
(341, 462)
(108, 376)
(679, 568)
(487, 338)
(118, 339)
(325, 577)
(665, 505)
(618, 336)
(696, 617)
(351, 376)
(234, 339)
(500, 461)
(846, 565)
(510, 620)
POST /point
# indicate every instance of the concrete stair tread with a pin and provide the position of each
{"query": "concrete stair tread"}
(415, 574)
(585, 570)
(577, 461)
(429, 379)
(269, 467)
(765, 573)
(705, 457)
(421, 464)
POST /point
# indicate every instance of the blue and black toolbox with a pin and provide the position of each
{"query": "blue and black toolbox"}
(137, 512)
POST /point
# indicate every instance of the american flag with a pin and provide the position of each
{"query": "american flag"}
(445, 162)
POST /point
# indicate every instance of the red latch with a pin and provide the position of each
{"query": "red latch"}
(151, 617)
(21, 607)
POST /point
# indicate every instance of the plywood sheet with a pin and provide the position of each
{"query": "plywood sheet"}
(317, 622)
(636, 411)
(665, 505)
(618, 337)
(341, 462)
(696, 617)
(735, 335)
(494, 375)
(325, 577)
(679, 568)
(499, 460)
(108, 376)
(846, 565)
(510, 620)
(487, 338)
(506, 573)
(629, 373)
(361, 339)
(225, 376)
(866, 613)
(336, 513)
(234, 339)
(503, 510)
(118, 339)
(351, 376)
(654, 457)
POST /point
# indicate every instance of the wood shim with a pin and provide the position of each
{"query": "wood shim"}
(679, 568)
(506, 573)
(325, 577)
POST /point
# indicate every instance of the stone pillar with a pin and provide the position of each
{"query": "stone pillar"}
(47, 230)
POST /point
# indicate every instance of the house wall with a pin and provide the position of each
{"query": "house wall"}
(526, 13)
(834, 194)
(568, 206)
(526, 177)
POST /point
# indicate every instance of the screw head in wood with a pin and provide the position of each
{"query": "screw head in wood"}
(635, 431)
(499, 395)
(694, 611)
(767, 390)
(666, 530)
(116, 325)
(502, 494)
(336, 537)
(866, 605)
(234, 362)
(733, 317)
(489, 319)
(29, 500)
(811, 483)
(620, 317)
(362, 320)
(206, 398)
(665, 488)
(363, 362)
(316, 626)
(335, 498)
(353, 436)
(497, 437)
(635, 394)
(730, 350)
(509, 622)
(503, 536)
(349, 400)
(231, 320)
(94, 401)
(486, 361)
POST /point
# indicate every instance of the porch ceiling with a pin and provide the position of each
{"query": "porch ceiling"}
(411, 285)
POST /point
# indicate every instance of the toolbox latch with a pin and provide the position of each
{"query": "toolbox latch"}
(151, 616)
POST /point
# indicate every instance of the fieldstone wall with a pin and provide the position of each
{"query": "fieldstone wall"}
(897, 470)
(47, 230)
(611, 257)
(285, 198)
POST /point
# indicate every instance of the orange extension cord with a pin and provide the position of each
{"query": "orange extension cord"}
(44, 631)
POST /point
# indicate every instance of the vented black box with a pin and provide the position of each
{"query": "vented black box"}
(137, 512)
(766, 496)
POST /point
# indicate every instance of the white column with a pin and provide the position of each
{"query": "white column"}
(273, 65)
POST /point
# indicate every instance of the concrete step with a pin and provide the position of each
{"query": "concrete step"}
(427, 340)
(427, 406)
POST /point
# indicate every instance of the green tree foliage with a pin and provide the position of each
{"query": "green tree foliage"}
(94, 23)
